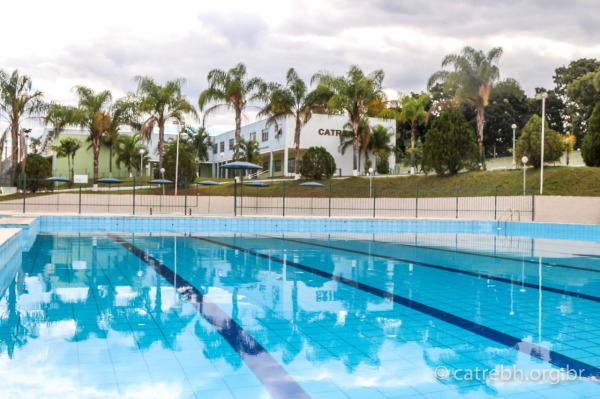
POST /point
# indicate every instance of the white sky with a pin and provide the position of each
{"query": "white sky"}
(63, 43)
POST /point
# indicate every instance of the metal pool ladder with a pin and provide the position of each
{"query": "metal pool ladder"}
(508, 215)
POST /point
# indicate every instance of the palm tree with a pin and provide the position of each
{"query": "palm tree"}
(472, 78)
(161, 103)
(414, 113)
(93, 114)
(67, 149)
(234, 91)
(17, 102)
(353, 94)
(250, 151)
(380, 146)
(200, 143)
(128, 152)
(364, 137)
(59, 116)
(296, 101)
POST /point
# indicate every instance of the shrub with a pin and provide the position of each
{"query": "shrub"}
(450, 144)
(317, 163)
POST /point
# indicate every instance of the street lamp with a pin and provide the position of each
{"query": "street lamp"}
(162, 176)
(542, 96)
(524, 160)
(514, 161)
(370, 182)
(222, 162)
(142, 151)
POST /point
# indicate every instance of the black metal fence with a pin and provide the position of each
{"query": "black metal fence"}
(342, 198)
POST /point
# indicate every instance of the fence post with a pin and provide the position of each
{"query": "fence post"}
(533, 207)
(417, 202)
(134, 194)
(330, 196)
(457, 202)
(283, 201)
(234, 197)
(80, 199)
(495, 202)
(185, 198)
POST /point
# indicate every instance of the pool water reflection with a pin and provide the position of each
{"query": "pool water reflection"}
(299, 316)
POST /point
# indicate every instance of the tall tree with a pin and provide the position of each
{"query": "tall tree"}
(128, 152)
(474, 72)
(232, 90)
(450, 144)
(250, 151)
(59, 116)
(353, 95)
(67, 149)
(93, 114)
(529, 144)
(414, 113)
(200, 144)
(380, 145)
(18, 101)
(161, 103)
(590, 150)
(296, 101)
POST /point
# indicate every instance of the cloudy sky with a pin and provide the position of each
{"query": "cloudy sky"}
(63, 43)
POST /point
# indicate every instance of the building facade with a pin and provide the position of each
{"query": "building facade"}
(276, 144)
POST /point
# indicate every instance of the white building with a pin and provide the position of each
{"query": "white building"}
(276, 144)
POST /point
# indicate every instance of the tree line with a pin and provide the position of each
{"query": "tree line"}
(468, 114)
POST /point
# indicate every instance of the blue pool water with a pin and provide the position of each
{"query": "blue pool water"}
(301, 316)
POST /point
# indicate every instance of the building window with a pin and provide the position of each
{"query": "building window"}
(252, 136)
(278, 166)
(231, 144)
(266, 165)
(265, 135)
(222, 146)
(215, 147)
(291, 164)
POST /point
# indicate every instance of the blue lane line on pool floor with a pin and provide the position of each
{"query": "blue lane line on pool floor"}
(448, 269)
(276, 380)
(528, 348)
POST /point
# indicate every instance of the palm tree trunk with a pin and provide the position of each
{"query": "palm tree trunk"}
(14, 136)
(412, 150)
(238, 132)
(297, 145)
(355, 146)
(161, 140)
(480, 118)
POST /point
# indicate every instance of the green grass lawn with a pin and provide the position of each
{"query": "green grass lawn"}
(499, 179)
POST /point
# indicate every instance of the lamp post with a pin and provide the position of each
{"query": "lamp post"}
(222, 162)
(524, 160)
(513, 126)
(162, 176)
(142, 152)
(542, 96)
(370, 182)
(23, 150)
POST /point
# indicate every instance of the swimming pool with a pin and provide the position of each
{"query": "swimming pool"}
(387, 315)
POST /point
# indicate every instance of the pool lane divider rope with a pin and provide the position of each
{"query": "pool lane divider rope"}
(544, 354)
(276, 380)
(574, 294)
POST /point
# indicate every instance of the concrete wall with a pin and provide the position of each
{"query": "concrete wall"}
(555, 209)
